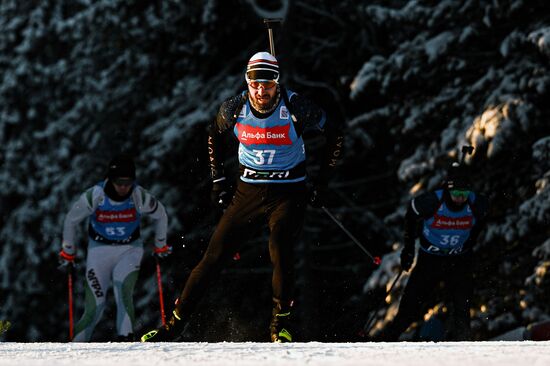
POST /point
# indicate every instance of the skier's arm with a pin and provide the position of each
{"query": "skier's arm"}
(81, 209)
(333, 149)
(410, 232)
(481, 208)
(310, 116)
(420, 208)
(215, 155)
(147, 204)
(224, 122)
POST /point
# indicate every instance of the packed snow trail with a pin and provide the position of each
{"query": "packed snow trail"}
(269, 354)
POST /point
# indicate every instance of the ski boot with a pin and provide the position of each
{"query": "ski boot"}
(168, 332)
(280, 321)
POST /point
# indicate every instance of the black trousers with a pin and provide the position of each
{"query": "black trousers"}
(282, 207)
(430, 270)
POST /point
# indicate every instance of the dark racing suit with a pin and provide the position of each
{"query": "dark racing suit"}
(271, 188)
(448, 233)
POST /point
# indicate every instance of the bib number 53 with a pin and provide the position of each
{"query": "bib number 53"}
(115, 231)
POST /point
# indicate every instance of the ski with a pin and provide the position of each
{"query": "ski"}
(4, 326)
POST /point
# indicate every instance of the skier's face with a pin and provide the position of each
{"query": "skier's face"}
(123, 185)
(262, 93)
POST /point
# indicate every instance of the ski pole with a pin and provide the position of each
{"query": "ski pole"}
(269, 24)
(376, 260)
(161, 297)
(368, 325)
(70, 287)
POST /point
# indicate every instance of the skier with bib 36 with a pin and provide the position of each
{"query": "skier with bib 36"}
(447, 223)
(114, 208)
(268, 121)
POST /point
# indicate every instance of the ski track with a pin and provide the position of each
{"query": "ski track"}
(267, 354)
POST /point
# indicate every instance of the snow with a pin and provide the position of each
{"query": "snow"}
(267, 354)
(541, 38)
(438, 45)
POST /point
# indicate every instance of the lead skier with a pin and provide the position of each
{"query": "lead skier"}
(268, 121)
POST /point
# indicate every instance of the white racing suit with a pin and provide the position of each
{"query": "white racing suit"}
(114, 252)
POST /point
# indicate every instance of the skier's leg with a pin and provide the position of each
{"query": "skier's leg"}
(125, 275)
(421, 284)
(243, 217)
(286, 222)
(459, 288)
(99, 264)
(286, 217)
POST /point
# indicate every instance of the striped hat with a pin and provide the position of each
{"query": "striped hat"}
(262, 67)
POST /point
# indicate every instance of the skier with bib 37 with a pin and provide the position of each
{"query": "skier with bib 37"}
(114, 208)
(268, 121)
(448, 222)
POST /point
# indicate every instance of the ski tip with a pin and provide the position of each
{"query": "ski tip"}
(4, 326)
(147, 336)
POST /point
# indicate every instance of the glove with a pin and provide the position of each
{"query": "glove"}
(66, 261)
(220, 194)
(318, 195)
(162, 252)
(407, 256)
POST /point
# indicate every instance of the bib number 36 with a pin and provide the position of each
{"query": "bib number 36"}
(451, 240)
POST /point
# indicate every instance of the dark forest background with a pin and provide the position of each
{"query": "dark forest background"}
(81, 80)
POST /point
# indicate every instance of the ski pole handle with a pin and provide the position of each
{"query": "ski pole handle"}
(161, 296)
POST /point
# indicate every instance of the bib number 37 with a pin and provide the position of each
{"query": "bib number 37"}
(264, 157)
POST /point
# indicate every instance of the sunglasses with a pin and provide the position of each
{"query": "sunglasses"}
(459, 193)
(123, 181)
(269, 84)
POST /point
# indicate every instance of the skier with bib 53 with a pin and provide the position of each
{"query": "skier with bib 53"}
(114, 208)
